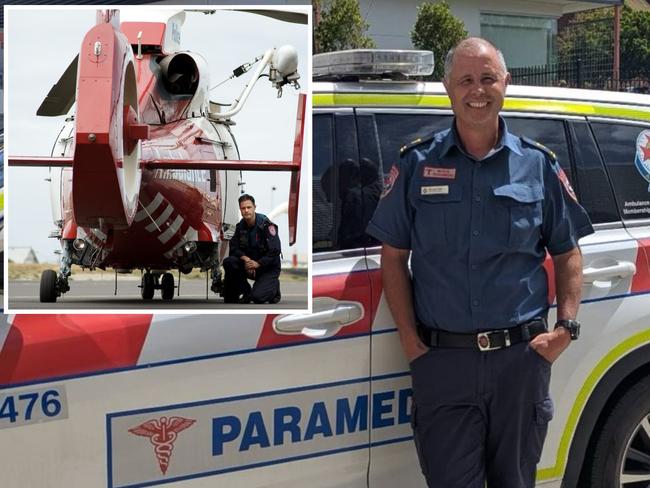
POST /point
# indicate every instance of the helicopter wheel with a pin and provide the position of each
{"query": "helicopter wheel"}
(167, 286)
(147, 286)
(48, 286)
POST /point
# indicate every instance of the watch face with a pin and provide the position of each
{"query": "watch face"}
(573, 326)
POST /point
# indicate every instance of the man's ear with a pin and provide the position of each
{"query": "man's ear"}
(508, 79)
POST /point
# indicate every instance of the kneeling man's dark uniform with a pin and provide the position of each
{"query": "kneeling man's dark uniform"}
(258, 244)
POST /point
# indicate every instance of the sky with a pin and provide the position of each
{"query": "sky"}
(40, 44)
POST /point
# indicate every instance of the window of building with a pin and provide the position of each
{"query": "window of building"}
(523, 40)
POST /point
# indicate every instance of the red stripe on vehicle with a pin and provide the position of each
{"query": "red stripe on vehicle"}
(641, 280)
(39, 347)
(352, 287)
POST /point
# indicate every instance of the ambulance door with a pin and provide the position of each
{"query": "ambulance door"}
(393, 460)
(237, 400)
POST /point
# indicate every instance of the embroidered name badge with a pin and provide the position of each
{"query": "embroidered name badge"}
(433, 172)
(434, 190)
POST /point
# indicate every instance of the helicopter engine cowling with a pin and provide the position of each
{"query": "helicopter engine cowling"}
(106, 163)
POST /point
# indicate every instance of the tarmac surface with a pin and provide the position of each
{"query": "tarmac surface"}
(91, 294)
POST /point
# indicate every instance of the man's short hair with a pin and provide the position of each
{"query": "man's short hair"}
(245, 197)
(471, 42)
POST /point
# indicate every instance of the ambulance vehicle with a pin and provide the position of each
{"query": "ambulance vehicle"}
(324, 399)
(365, 109)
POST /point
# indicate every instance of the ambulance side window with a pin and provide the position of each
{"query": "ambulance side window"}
(550, 133)
(384, 134)
(592, 184)
(626, 152)
(336, 170)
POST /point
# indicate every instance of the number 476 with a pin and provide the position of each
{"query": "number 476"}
(49, 405)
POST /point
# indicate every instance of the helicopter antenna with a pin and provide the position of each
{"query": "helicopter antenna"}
(239, 71)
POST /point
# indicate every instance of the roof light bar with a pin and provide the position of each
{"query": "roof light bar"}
(373, 62)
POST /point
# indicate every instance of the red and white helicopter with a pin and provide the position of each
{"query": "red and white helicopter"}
(150, 169)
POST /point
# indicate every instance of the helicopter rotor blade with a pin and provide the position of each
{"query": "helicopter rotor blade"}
(62, 95)
(283, 15)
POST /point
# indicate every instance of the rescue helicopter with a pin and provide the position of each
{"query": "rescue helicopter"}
(147, 170)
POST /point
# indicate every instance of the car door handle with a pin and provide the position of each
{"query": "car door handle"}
(328, 318)
(621, 269)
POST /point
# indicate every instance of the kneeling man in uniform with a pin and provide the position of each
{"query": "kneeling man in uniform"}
(254, 254)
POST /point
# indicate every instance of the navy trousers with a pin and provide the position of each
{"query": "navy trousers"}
(480, 417)
(266, 286)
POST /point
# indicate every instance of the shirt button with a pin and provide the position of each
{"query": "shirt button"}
(475, 303)
(477, 198)
(475, 232)
(478, 165)
(474, 267)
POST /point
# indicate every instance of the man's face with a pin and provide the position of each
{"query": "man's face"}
(477, 87)
(247, 210)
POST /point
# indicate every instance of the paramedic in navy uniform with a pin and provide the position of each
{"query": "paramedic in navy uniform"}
(254, 254)
(476, 208)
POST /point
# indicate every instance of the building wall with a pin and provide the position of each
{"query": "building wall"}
(391, 23)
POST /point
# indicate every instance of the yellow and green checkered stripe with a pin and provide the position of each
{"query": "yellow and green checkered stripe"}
(567, 107)
(588, 387)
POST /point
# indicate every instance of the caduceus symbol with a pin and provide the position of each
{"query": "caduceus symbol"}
(162, 433)
(642, 160)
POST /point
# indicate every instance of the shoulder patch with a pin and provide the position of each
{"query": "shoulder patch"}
(389, 180)
(539, 146)
(414, 143)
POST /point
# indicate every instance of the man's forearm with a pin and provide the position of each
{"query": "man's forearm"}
(397, 288)
(568, 283)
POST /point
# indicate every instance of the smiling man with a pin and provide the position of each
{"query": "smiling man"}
(476, 209)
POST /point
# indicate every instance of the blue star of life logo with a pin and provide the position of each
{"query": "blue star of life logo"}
(642, 160)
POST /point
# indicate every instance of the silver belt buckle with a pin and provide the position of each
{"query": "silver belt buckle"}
(483, 340)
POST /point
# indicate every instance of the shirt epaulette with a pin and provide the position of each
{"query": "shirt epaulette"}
(414, 143)
(539, 146)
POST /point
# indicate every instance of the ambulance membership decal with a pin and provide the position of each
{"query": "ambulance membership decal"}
(639, 207)
(642, 160)
(164, 444)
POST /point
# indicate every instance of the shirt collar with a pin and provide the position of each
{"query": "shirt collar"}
(506, 139)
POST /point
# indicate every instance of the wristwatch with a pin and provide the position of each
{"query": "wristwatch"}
(573, 326)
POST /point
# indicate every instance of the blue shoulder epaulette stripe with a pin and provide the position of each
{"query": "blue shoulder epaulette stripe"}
(414, 143)
(539, 146)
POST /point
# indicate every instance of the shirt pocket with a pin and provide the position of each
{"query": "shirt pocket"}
(436, 214)
(519, 209)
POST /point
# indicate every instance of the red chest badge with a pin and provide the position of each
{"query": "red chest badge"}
(435, 172)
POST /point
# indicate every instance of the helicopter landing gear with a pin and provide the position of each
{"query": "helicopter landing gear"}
(167, 286)
(54, 285)
(48, 286)
(217, 282)
(147, 286)
(153, 281)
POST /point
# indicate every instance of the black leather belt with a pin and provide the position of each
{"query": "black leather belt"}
(489, 340)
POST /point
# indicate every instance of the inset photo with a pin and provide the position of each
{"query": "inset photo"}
(156, 157)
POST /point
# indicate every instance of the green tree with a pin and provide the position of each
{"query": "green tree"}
(591, 34)
(436, 29)
(341, 27)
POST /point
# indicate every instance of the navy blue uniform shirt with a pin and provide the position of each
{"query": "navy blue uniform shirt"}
(259, 242)
(478, 230)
